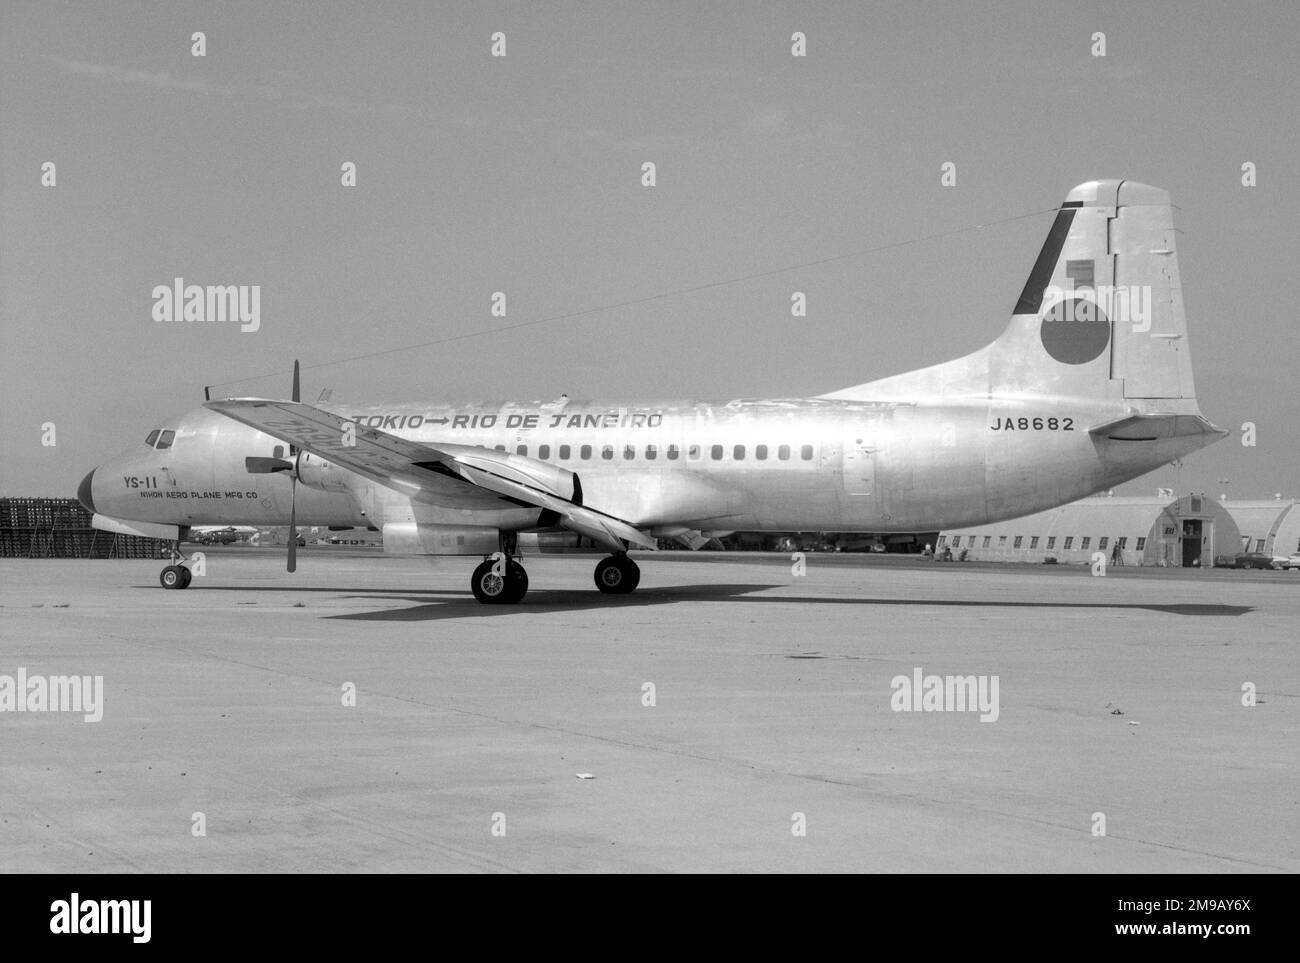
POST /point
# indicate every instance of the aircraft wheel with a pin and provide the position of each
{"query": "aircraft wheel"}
(518, 582)
(172, 577)
(493, 589)
(187, 576)
(617, 575)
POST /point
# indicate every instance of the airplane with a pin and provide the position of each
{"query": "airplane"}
(221, 534)
(1090, 385)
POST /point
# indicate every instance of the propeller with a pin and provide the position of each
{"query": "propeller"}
(293, 486)
(272, 466)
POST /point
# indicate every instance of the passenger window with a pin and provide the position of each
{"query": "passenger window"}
(543, 452)
(673, 452)
(153, 436)
(806, 453)
(716, 453)
(629, 452)
(521, 450)
(498, 447)
(760, 452)
(585, 452)
(564, 452)
(738, 453)
(651, 452)
(783, 453)
(607, 452)
(165, 439)
(693, 453)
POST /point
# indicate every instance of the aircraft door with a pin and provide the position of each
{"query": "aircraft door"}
(859, 472)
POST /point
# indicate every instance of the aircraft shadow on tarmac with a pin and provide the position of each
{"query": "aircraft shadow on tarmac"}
(430, 606)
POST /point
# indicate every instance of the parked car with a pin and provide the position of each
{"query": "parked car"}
(1252, 560)
(1292, 562)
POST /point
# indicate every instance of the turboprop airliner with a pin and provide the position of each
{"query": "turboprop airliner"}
(1090, 385)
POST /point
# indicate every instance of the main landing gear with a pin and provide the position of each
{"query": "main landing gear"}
(501, 580)
(176, 575)
(617, 575)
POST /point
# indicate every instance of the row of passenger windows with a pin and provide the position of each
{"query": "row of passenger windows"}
(669, 452)
(1085, 542)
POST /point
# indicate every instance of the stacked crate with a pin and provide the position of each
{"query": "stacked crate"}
(60, 528)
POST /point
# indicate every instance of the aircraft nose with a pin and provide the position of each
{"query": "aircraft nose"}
(83, 492)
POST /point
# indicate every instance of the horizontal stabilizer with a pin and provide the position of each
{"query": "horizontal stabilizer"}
(1155, 426)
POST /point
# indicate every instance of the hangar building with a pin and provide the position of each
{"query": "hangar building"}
(1271, 526)
(1136, 530)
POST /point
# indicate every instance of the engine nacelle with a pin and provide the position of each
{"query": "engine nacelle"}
(416, 538)
(526, 471)
(316, 472)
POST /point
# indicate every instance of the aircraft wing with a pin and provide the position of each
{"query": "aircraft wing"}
(451, 476)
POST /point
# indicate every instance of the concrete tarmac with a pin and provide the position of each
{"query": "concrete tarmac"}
(772, 712)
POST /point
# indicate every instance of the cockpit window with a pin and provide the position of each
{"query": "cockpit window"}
(153, 436)
(166, 440)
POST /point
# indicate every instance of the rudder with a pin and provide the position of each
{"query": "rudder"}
(1103, 301)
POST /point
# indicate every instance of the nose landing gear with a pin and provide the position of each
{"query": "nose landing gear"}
(176, 575)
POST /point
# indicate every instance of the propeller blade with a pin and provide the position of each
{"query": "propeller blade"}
(293, 449)
(266, 466)
(293, 524)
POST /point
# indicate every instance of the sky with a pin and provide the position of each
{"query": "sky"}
(523, 174)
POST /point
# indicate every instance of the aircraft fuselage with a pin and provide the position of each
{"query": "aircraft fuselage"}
(775, 465)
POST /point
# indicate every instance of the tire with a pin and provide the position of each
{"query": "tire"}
(171, 577)
(187, 577)
(518, 582)
(617, 575)
(492, 589)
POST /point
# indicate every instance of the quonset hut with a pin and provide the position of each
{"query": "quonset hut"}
(1270, 526)
(1130, 530)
